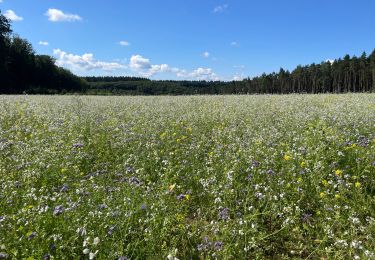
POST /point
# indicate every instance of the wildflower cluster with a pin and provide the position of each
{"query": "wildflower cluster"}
(203, 177)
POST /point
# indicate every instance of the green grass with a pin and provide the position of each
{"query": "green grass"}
(202, 177)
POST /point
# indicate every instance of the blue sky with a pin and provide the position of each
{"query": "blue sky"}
(195, 39)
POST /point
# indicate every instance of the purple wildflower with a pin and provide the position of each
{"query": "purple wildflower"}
(224, 214)
(306, 217)
(205, 245)
(3, 255)
(135, 181)
(78, 145)
(143, 207)
(102, 206)
(271, 172)
(46, 257)
(180, 197)
(218, 245)
(32, 235)
(111, 230)
(255, 163)
(249, 177)
(58, 210)
(129, 169)
(64, 188)
(122, 258)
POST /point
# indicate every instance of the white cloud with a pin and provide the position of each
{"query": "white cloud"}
(144, 67)
(204, 74)
(206, 54)
(220, 8)
(44, 43)
(1, 1)
(124, 43)
(330, 61)
(234, 44)
(11, 15)
(137, 62)
(85, 62)
(56, 15)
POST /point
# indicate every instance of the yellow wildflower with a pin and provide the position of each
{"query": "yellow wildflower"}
(322, 194)
(338, 172)
(325, 182)
(180, 217)
(287, 157)
(358, 184)
(303, 164)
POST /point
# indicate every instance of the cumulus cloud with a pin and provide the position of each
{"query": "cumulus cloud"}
(56, 15)
(220, 8)
(11, 15)
(206, 54)
(44, 43)
(234, 44)
(204, 74)
(85, 62)
(137, 62)
(144, 67)
(124, 43)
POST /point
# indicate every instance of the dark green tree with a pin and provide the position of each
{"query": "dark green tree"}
(5, 31)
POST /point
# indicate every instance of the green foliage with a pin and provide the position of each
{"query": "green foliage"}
(350, 74)
(21, 71)
(203, 177)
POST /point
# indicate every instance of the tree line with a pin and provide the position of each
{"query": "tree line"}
(23, 71)
(347, 74)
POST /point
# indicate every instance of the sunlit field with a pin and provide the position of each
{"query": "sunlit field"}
(195, 177)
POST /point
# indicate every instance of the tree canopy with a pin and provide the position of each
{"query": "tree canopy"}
(21, 70)
(348, 74)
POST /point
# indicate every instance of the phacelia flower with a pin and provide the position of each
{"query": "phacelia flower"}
(58, 210)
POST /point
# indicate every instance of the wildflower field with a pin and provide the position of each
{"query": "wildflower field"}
(195, 177)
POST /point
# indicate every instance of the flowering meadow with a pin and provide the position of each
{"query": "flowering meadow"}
(189, 177)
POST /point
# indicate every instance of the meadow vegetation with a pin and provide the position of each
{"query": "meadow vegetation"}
(188, 177)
